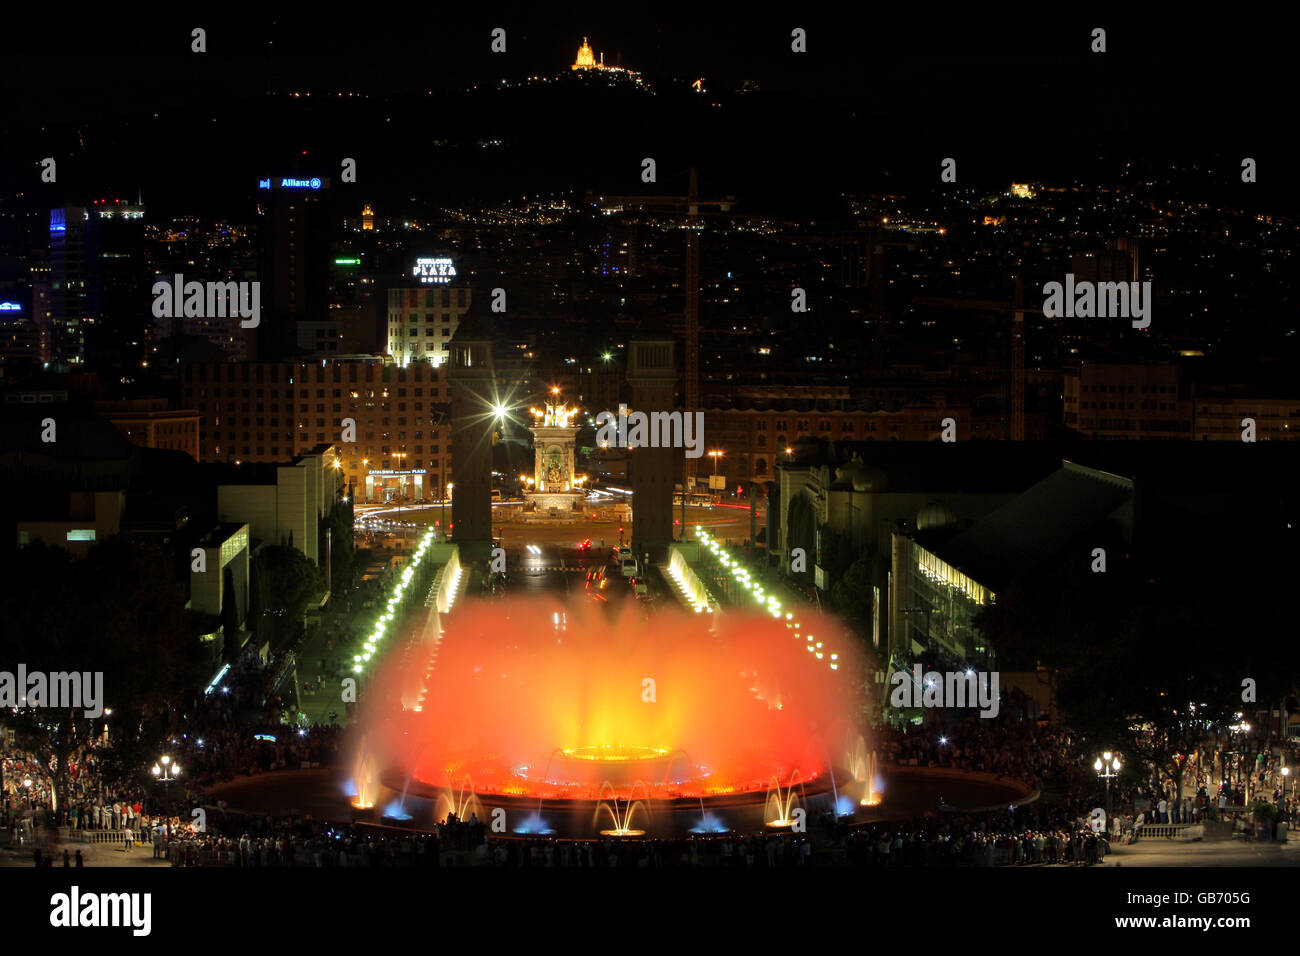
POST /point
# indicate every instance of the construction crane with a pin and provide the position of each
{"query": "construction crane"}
(691, 204)
(1017, 310)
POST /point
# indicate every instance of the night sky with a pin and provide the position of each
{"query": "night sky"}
(874, 104)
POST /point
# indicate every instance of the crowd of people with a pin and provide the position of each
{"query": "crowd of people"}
(1016, 836)
(1015, 746)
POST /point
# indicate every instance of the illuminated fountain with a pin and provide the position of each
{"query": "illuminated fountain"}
(862, 765)
(363, 788)
(460, 800)
(577, 723)
(622, 819)
(779, 809)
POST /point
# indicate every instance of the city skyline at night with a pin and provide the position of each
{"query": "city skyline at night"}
(840, 443)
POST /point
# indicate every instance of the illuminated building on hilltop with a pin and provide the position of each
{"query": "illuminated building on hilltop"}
(587, 60)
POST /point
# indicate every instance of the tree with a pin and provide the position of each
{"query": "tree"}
(852, 594)
(335, 538)
(1149, 655)
(836, 552)
(801, 525)
(118, 615)
(291, 581)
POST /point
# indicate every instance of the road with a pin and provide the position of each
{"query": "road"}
(390, 523)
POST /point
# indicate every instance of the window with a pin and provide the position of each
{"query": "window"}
(81, 534)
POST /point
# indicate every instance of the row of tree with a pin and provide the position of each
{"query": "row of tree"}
(119, 611)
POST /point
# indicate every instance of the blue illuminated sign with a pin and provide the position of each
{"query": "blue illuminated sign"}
(57, 223)
(264, 184)
(10, 307)
(313, 183)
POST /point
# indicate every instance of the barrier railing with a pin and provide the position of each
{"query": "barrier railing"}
(1172, 831)
(97, 836)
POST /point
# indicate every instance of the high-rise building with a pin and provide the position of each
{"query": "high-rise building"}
(295, 260)
(74, 283)
(121, 331)
(99, 308)
(20, 337)
(42, 309)
(422, 320)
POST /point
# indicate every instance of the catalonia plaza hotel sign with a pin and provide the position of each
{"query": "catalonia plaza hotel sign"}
(434, 271)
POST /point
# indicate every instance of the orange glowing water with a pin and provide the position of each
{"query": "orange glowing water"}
(527, 697)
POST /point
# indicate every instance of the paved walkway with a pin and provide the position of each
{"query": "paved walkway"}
(1158, 852)
(93, 854)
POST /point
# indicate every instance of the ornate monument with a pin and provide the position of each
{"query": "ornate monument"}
(554, 489)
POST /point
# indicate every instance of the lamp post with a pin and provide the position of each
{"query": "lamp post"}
(401, 487)
(1107, 767)
(169, 771)
(445, 496)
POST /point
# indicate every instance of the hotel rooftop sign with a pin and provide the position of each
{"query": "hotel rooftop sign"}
(434, 271)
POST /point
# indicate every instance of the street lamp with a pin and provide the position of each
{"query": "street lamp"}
(401, 486)
(1107, 767)
(168, 771)
(444, 510)
(715, 455)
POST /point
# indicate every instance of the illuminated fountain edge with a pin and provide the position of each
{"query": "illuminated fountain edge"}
(422, 803)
